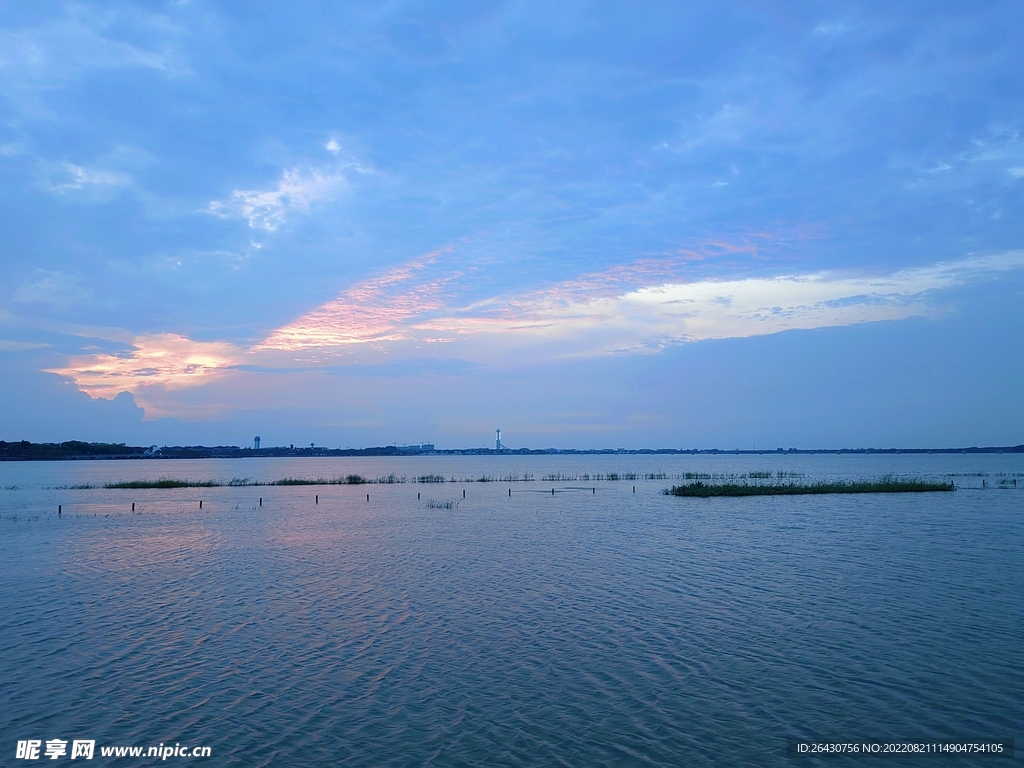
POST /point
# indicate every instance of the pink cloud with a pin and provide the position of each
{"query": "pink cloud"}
(165, 359)
(379, 309)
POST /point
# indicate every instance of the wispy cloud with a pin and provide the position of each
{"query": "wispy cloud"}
(297, 190)
(82, 39)
(76, 177)
(55, 288)
(20, 346)
(640, 307)
(375, 310)
(267, 208)
(654, 316)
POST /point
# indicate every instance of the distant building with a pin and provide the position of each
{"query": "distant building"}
(424, 448)
(256, 442)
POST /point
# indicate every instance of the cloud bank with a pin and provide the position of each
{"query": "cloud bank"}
(412, 312)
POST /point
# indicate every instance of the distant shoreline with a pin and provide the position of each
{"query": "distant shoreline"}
(80, 451)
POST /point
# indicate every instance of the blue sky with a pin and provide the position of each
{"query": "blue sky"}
(589, 224)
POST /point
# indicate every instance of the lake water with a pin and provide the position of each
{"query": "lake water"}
(594, 626)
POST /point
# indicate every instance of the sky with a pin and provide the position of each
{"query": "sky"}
(588, 224)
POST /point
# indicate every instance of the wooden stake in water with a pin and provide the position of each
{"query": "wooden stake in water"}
(463, 493)
(318, 498)
(200, 503)
(133, 506)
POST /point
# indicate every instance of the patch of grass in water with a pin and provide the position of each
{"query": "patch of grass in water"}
(347, 480)
(435, 504)
(164, 482)
(885, 485)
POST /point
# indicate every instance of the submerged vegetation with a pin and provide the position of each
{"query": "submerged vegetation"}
(164, 482)
(347, 480)
(752, 483)
(236, 482)
(435, 504)
(886, 484)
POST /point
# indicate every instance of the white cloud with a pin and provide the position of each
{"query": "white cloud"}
(80, 40)
(652, 317)
(18, 346)
(267, 208)
(79, 177)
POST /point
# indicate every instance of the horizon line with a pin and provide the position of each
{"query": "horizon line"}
(71, 449)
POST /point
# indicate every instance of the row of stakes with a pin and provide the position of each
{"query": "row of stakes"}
(316, 498)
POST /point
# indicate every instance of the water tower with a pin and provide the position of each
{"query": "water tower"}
(497, 439)
(256, 442)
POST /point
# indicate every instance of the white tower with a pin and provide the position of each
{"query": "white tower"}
(497, 439)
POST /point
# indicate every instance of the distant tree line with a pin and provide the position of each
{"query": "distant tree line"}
(76, 449)
(72, 449)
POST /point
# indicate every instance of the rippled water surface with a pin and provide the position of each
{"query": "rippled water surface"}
(594, 626)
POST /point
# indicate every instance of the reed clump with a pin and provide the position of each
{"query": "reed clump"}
(164, 482)
(348, 480)
(435, 504)
(237, 482)
(887, 484)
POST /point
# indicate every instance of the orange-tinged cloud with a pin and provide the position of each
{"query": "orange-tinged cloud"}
(413, 312)
(165, 359)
